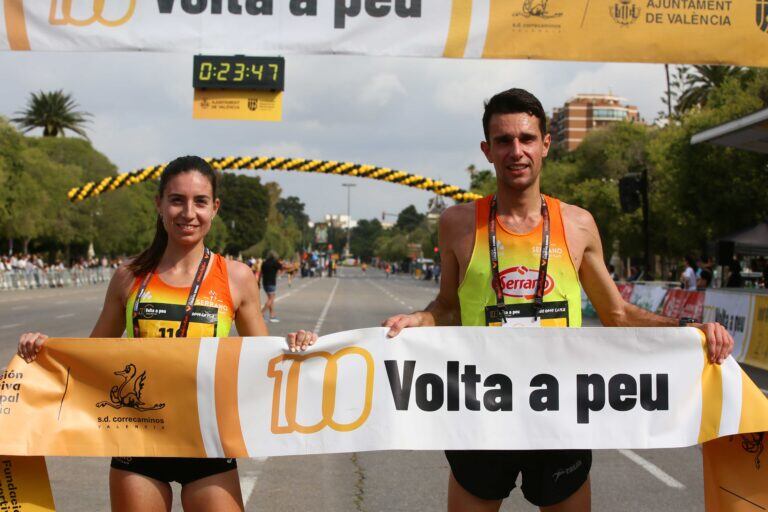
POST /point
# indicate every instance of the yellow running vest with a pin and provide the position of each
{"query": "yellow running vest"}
(519, 259)
(162, 306)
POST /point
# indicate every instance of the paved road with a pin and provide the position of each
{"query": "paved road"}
(643, 480)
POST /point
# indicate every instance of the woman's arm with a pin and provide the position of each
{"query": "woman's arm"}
(111, 322)
(244, 289)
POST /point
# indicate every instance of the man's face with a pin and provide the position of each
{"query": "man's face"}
(516, 149)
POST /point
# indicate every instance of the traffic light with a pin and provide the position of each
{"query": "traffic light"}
(629, 192)
(436, 250)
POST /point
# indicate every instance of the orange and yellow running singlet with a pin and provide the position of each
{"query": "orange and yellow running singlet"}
(519, 259)
(162, 306)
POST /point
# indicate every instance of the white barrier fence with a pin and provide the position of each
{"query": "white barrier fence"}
(53, 278)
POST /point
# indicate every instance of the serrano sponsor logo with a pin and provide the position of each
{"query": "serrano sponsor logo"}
(520, 282)
(91, 11)
(625, 12)
(762, 15)
(128, 393)
(290, 401)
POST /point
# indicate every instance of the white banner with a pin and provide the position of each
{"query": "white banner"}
(648, 296)
(589, 30)
(734, 311)
(481, 388)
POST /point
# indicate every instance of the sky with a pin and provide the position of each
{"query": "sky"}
(413, 114)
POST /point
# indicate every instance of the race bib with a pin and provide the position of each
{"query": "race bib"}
(552, 314)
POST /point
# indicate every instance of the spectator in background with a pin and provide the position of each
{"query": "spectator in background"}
(635, 274)
(688, 277)
(734, 278)
(704, 273)
(612, 272)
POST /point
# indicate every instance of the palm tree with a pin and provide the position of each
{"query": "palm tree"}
(54, 112)
(702, 80)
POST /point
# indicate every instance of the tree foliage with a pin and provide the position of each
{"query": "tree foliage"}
(363, 240)
(55, 112)
(245, 207)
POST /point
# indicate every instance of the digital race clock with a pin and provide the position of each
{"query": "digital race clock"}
(239, 72)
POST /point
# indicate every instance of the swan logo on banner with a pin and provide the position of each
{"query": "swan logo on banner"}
(81, 13)
(762, 15)
(128, 393)
(288, 422)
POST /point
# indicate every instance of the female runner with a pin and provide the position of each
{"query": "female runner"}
(167, 274)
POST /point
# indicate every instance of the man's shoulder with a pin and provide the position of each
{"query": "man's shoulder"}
(458, 216)
(577, 215)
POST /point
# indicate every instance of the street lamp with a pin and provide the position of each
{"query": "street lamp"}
(349, 219)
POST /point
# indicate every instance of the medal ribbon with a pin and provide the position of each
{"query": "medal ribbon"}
(541, 281)
(193, 291)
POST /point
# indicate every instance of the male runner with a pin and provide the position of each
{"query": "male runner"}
(269, 269)
(477, 289)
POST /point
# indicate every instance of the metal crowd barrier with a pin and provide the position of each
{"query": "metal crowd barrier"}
(53, 278)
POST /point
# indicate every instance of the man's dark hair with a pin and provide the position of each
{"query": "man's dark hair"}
(514, 101)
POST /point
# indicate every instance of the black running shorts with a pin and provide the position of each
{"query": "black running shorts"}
(174, 469)
(549, 476)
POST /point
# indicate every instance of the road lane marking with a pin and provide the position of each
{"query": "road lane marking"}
(389, 294)
(68, 315)
(10, 326)
(293, 290)
(19, 308)
(653, 469)
(327, 306)
(248, 480)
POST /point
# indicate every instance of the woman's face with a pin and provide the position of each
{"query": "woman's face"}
(187, 207)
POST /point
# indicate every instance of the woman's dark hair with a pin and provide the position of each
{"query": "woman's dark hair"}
(148, 260)
(691, 261)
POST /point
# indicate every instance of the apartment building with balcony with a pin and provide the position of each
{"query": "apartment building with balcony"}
(586, 112)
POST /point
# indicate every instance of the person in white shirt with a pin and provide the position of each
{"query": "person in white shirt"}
(688, 278)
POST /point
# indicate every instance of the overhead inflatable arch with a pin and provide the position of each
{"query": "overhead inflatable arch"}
(244, 163)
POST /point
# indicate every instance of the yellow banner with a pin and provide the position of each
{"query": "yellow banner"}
(757, 352)
(670, 31)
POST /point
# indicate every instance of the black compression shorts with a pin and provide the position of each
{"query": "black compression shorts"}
(174, 469)
(549, 476)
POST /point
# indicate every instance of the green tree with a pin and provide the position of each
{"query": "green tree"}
(483, 182)
(11, 166)
(409, 219)
(54, 112)
(291, 207)
(703, 80)
(364, 237)
(245, 208)
(392, 245)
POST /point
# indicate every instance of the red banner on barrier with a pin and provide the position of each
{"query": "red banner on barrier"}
(682, 303)
(625, 289)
